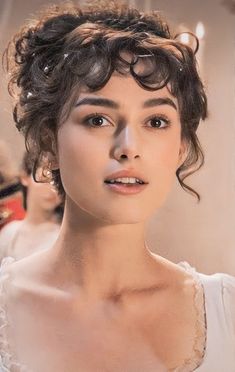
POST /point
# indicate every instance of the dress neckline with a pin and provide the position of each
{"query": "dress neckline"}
(192, 363)
(7, 360)
(201, 339)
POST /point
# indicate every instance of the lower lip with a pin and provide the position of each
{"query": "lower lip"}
(126, 189)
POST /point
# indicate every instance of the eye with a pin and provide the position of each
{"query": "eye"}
(96, 121)
(159, 122)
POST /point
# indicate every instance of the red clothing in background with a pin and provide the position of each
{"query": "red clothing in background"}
(11, 209)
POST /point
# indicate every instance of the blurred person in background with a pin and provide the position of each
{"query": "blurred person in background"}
(11, 197)
(110, 101)
(40, 228)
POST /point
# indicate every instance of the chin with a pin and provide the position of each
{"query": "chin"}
(125, 216)
(112, 212)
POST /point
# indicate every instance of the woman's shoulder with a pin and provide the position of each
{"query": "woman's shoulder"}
(5, 270)
(221, 284)
(219, 292)
(9, 299)
(4, 346)
(7, 234)
(25, 281)
(8, 282)
(10, 228)
(221, 295)
(215, 283)
(16, 283)
(215, 279)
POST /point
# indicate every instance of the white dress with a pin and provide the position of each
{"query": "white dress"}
(19, 239)
(216, 313)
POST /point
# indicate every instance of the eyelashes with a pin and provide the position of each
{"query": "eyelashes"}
(97, 120)
(159, 121)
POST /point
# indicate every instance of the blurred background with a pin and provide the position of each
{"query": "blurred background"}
(183, 230)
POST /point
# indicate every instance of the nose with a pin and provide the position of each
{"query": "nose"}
(126, 145)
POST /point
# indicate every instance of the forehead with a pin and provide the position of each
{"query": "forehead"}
(124, 90)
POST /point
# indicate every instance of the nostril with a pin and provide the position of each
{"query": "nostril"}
(123, 156)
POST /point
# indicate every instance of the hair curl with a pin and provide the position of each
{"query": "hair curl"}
(70, 47)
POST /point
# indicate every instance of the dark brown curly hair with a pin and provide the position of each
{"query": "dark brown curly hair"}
(69, 47)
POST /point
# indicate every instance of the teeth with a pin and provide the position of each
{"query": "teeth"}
(126, 180)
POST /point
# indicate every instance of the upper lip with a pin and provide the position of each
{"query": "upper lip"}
(126, 173)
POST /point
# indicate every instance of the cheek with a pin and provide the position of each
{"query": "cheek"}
(170, 157)
(164, 163)
(81, 156)
(166, 153)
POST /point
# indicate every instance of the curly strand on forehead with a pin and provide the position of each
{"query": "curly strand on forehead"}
(69, 48)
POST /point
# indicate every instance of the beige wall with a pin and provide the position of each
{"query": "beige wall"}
(203, 234)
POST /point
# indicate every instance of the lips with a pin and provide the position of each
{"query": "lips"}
(126, 182)
(126, 174)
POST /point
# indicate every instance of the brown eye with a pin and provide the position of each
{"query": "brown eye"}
(158, 122)
(96, 121)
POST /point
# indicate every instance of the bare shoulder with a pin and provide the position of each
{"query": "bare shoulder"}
(26, 280)
(176, 277)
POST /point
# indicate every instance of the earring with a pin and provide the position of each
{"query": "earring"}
(48, 173)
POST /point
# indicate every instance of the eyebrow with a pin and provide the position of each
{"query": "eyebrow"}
(105, 102)
(159, 102)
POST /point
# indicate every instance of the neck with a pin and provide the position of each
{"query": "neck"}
(103, 259)
(36, 216)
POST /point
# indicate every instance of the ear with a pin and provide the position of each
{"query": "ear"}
(183, 152)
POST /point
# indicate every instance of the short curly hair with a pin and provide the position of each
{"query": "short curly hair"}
(69, 47)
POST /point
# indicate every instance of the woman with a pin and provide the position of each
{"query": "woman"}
(109, 103)
(11, 208)
(40, 227)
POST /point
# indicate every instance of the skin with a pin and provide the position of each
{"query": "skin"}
(96, 218)
(100, 286)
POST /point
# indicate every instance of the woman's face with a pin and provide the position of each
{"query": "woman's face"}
(121, 127)
(41, 195)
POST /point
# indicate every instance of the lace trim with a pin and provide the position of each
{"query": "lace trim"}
(7, 361)
(9, 364)
(200, 338)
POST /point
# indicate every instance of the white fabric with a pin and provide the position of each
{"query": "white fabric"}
(219, 292)
(220, 311)
(219, 306)
(19, 239)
